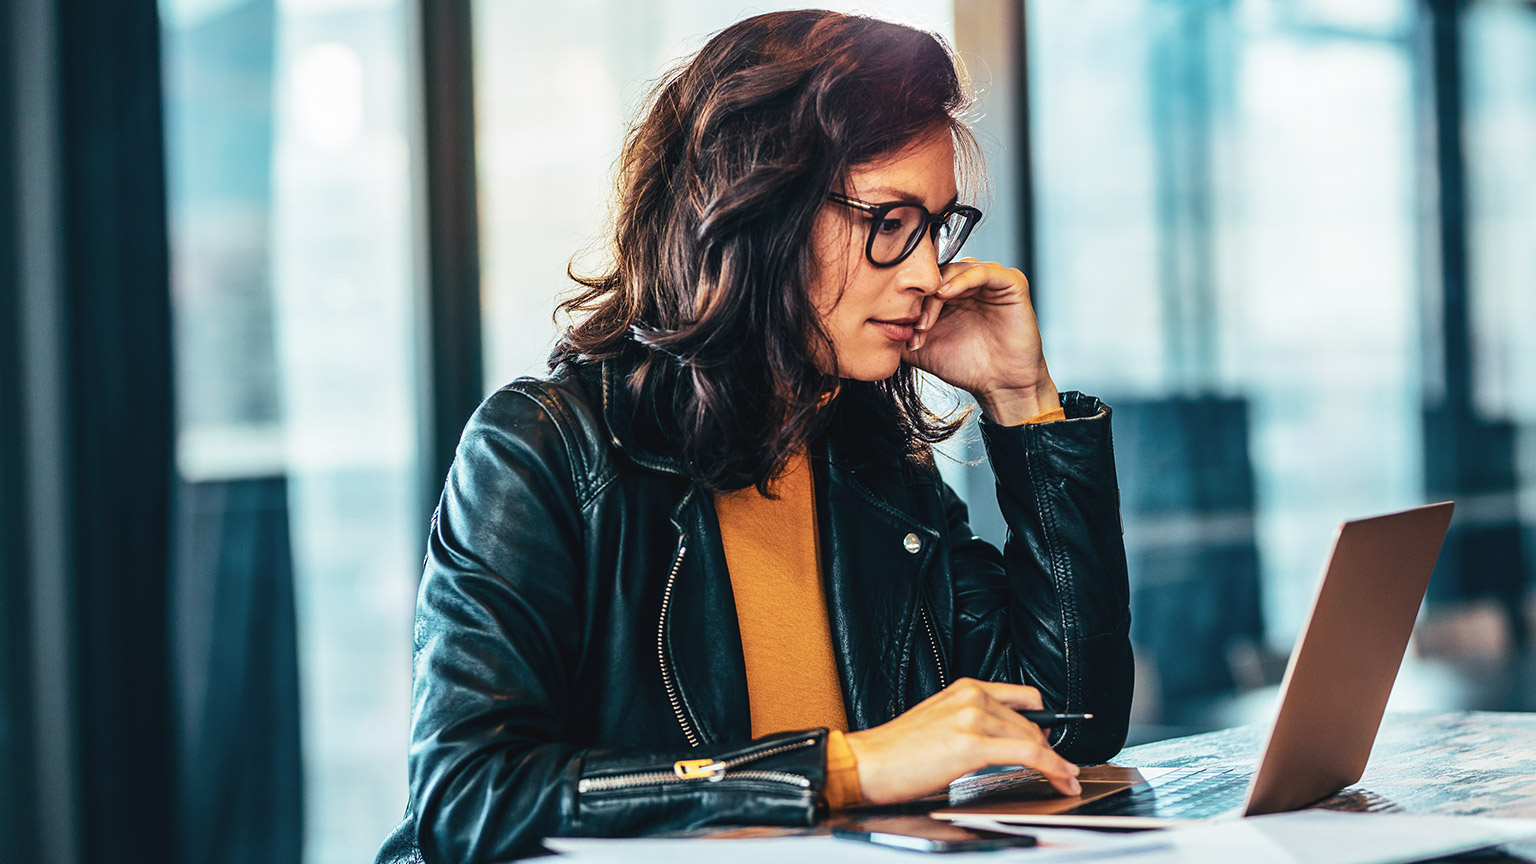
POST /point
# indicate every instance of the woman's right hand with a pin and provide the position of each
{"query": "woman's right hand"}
(966, 726)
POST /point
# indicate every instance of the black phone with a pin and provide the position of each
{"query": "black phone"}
(924, 834)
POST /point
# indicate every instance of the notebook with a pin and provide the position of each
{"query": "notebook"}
(1332, 699)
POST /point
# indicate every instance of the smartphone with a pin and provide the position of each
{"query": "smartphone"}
(922, 834)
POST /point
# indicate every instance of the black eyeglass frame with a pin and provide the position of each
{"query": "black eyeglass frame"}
(878, 211)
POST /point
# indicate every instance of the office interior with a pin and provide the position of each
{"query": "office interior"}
(261, 259)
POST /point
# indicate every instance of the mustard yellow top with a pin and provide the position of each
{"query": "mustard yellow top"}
(772, 551)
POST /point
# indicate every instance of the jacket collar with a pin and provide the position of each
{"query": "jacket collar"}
(618, 416)
(619, 413)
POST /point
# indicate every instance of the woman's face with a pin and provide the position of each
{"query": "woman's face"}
(869, 311)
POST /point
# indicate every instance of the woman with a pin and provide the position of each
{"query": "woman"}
(706, 571)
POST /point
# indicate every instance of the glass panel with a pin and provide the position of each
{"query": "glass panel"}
(1499, 141)
(1229, 253)
(547, 150)
(1500, 52)
(300, 531)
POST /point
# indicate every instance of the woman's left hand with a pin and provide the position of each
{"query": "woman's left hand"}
(978, 332)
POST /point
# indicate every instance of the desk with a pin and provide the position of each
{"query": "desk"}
(1465, 763)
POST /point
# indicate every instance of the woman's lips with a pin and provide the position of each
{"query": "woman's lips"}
(896, 331)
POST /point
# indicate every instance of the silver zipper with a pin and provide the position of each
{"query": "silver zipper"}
(934, 644)
(718, 772)
(661, 642)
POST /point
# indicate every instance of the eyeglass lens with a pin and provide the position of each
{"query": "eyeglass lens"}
(899, 231)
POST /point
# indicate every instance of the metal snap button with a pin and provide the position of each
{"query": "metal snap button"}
(912, 544)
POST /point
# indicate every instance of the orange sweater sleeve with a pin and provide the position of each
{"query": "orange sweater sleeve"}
(842, 773)
(1046, 417)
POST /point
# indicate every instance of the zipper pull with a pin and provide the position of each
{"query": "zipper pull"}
(698, 769)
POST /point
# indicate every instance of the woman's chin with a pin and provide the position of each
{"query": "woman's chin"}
(870, 368)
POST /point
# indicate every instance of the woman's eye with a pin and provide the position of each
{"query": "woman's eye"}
(889, 226)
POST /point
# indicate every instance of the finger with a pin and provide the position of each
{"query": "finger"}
(963, 281)
(958, 265)
(975, 691)
(990, 281)
(1004, 722)
(1007, 751)
(1023, 726)
(972, 694)
(954, 269)
(932, 306)
(973, 709)
(1013, 695)
(927, 314)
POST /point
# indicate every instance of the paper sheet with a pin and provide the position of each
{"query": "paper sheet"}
(1331, 837)
(806, 850)
(1303, 837)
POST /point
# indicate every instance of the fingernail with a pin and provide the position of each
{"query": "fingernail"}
(1076, 788)
(1073, 768)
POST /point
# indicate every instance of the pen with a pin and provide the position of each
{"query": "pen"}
(1051, 718)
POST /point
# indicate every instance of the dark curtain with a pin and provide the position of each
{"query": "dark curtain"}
(97, 764)
(116, 392)
(237, 674)
(17, 820)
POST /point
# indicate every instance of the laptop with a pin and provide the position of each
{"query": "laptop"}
(1331, 700)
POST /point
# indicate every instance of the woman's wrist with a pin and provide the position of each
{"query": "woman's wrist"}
(1010, 406)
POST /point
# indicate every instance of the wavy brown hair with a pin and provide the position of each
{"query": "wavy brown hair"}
(720, 183)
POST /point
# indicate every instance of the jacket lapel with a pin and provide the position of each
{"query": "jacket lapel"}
(702, 640)
(874, 559)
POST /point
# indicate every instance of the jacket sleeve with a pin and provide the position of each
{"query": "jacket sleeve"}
(498, 635)
(1053, 611)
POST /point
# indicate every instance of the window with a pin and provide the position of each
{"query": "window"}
(556, 85)
(301, 534)
(1233, 247)
(1237, 243)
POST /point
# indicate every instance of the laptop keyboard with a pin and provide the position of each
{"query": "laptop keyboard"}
(1185, 793)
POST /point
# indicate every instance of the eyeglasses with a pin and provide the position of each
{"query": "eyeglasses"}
(897, 227)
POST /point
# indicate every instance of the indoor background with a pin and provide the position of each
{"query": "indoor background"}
(261, 258)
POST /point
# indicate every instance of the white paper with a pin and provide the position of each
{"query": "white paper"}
(1302, 837)
(769, 850)
(822, 848)
(1332, 837)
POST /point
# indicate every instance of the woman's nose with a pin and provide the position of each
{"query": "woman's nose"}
(921, 269)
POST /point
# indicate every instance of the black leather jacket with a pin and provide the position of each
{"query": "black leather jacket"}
(576, 634)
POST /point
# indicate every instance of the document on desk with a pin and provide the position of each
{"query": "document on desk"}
(1332, 837)
(1302, 837)
(1312, 837)
(1056, 845)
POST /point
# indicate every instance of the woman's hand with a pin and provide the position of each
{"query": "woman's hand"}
(968, 725)
(978, 332)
